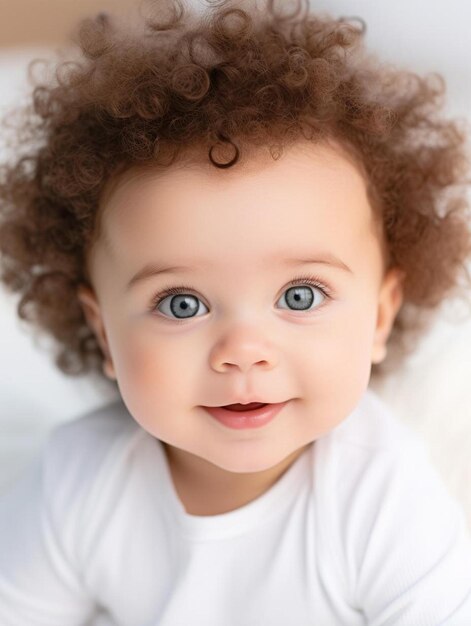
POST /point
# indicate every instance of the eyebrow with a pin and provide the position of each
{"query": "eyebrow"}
(154, 269)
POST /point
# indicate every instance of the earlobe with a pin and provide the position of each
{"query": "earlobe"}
(91, 310)
(389, 304)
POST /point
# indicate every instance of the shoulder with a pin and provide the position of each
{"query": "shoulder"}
(379, 489)
(366, 448)
(55, 515)
(79, 457)
(370, 449)
(373, 459)
(88, 440)
(93, 433)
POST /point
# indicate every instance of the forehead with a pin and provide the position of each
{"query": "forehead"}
(313, 195)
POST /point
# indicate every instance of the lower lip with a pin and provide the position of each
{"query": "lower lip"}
(246, 419)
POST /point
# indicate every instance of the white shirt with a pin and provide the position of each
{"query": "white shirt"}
(359, 530)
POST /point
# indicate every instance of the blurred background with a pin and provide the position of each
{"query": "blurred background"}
(26, 23)
(432, 393)
(424, 35)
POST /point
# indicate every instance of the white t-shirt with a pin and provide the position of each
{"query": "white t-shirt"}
(359, 530)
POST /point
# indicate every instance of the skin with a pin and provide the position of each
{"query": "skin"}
(245, 337)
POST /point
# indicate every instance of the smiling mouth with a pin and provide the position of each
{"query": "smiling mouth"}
(245, 416)
(243, 407)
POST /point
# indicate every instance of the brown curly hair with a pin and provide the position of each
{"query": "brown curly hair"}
(143, 93)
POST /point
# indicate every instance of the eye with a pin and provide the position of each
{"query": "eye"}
(176, 301)
(179, 304)
(301, 297)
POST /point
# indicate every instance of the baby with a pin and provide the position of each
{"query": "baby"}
(233, 217)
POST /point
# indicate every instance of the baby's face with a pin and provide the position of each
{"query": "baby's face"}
(239, 328)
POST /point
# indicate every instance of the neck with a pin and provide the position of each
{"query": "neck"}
(206, 489)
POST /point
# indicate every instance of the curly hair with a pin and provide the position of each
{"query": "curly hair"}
(147, 92)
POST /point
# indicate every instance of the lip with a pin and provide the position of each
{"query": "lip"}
(246, 419)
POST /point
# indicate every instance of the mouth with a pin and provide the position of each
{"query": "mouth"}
(244, 407)
(253, 415)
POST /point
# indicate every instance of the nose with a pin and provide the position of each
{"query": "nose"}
(243, 349)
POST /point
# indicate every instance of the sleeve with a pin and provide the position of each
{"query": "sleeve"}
(411, 548)
(40, 583)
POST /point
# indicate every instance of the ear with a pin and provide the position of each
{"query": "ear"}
(389, 302)
(92, 311)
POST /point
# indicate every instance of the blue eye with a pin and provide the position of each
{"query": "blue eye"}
(301, 298)
(182, 305)
(179, 302)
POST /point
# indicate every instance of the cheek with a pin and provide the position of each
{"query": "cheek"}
(337, 367)
(149, 373)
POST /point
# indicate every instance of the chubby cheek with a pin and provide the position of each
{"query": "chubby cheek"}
(337, 371)
(151, 377)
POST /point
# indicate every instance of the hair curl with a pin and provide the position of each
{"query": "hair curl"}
(143, 94)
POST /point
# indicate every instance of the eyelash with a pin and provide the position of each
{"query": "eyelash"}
(313, 281)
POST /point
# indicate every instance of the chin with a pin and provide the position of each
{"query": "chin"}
(252, 462)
